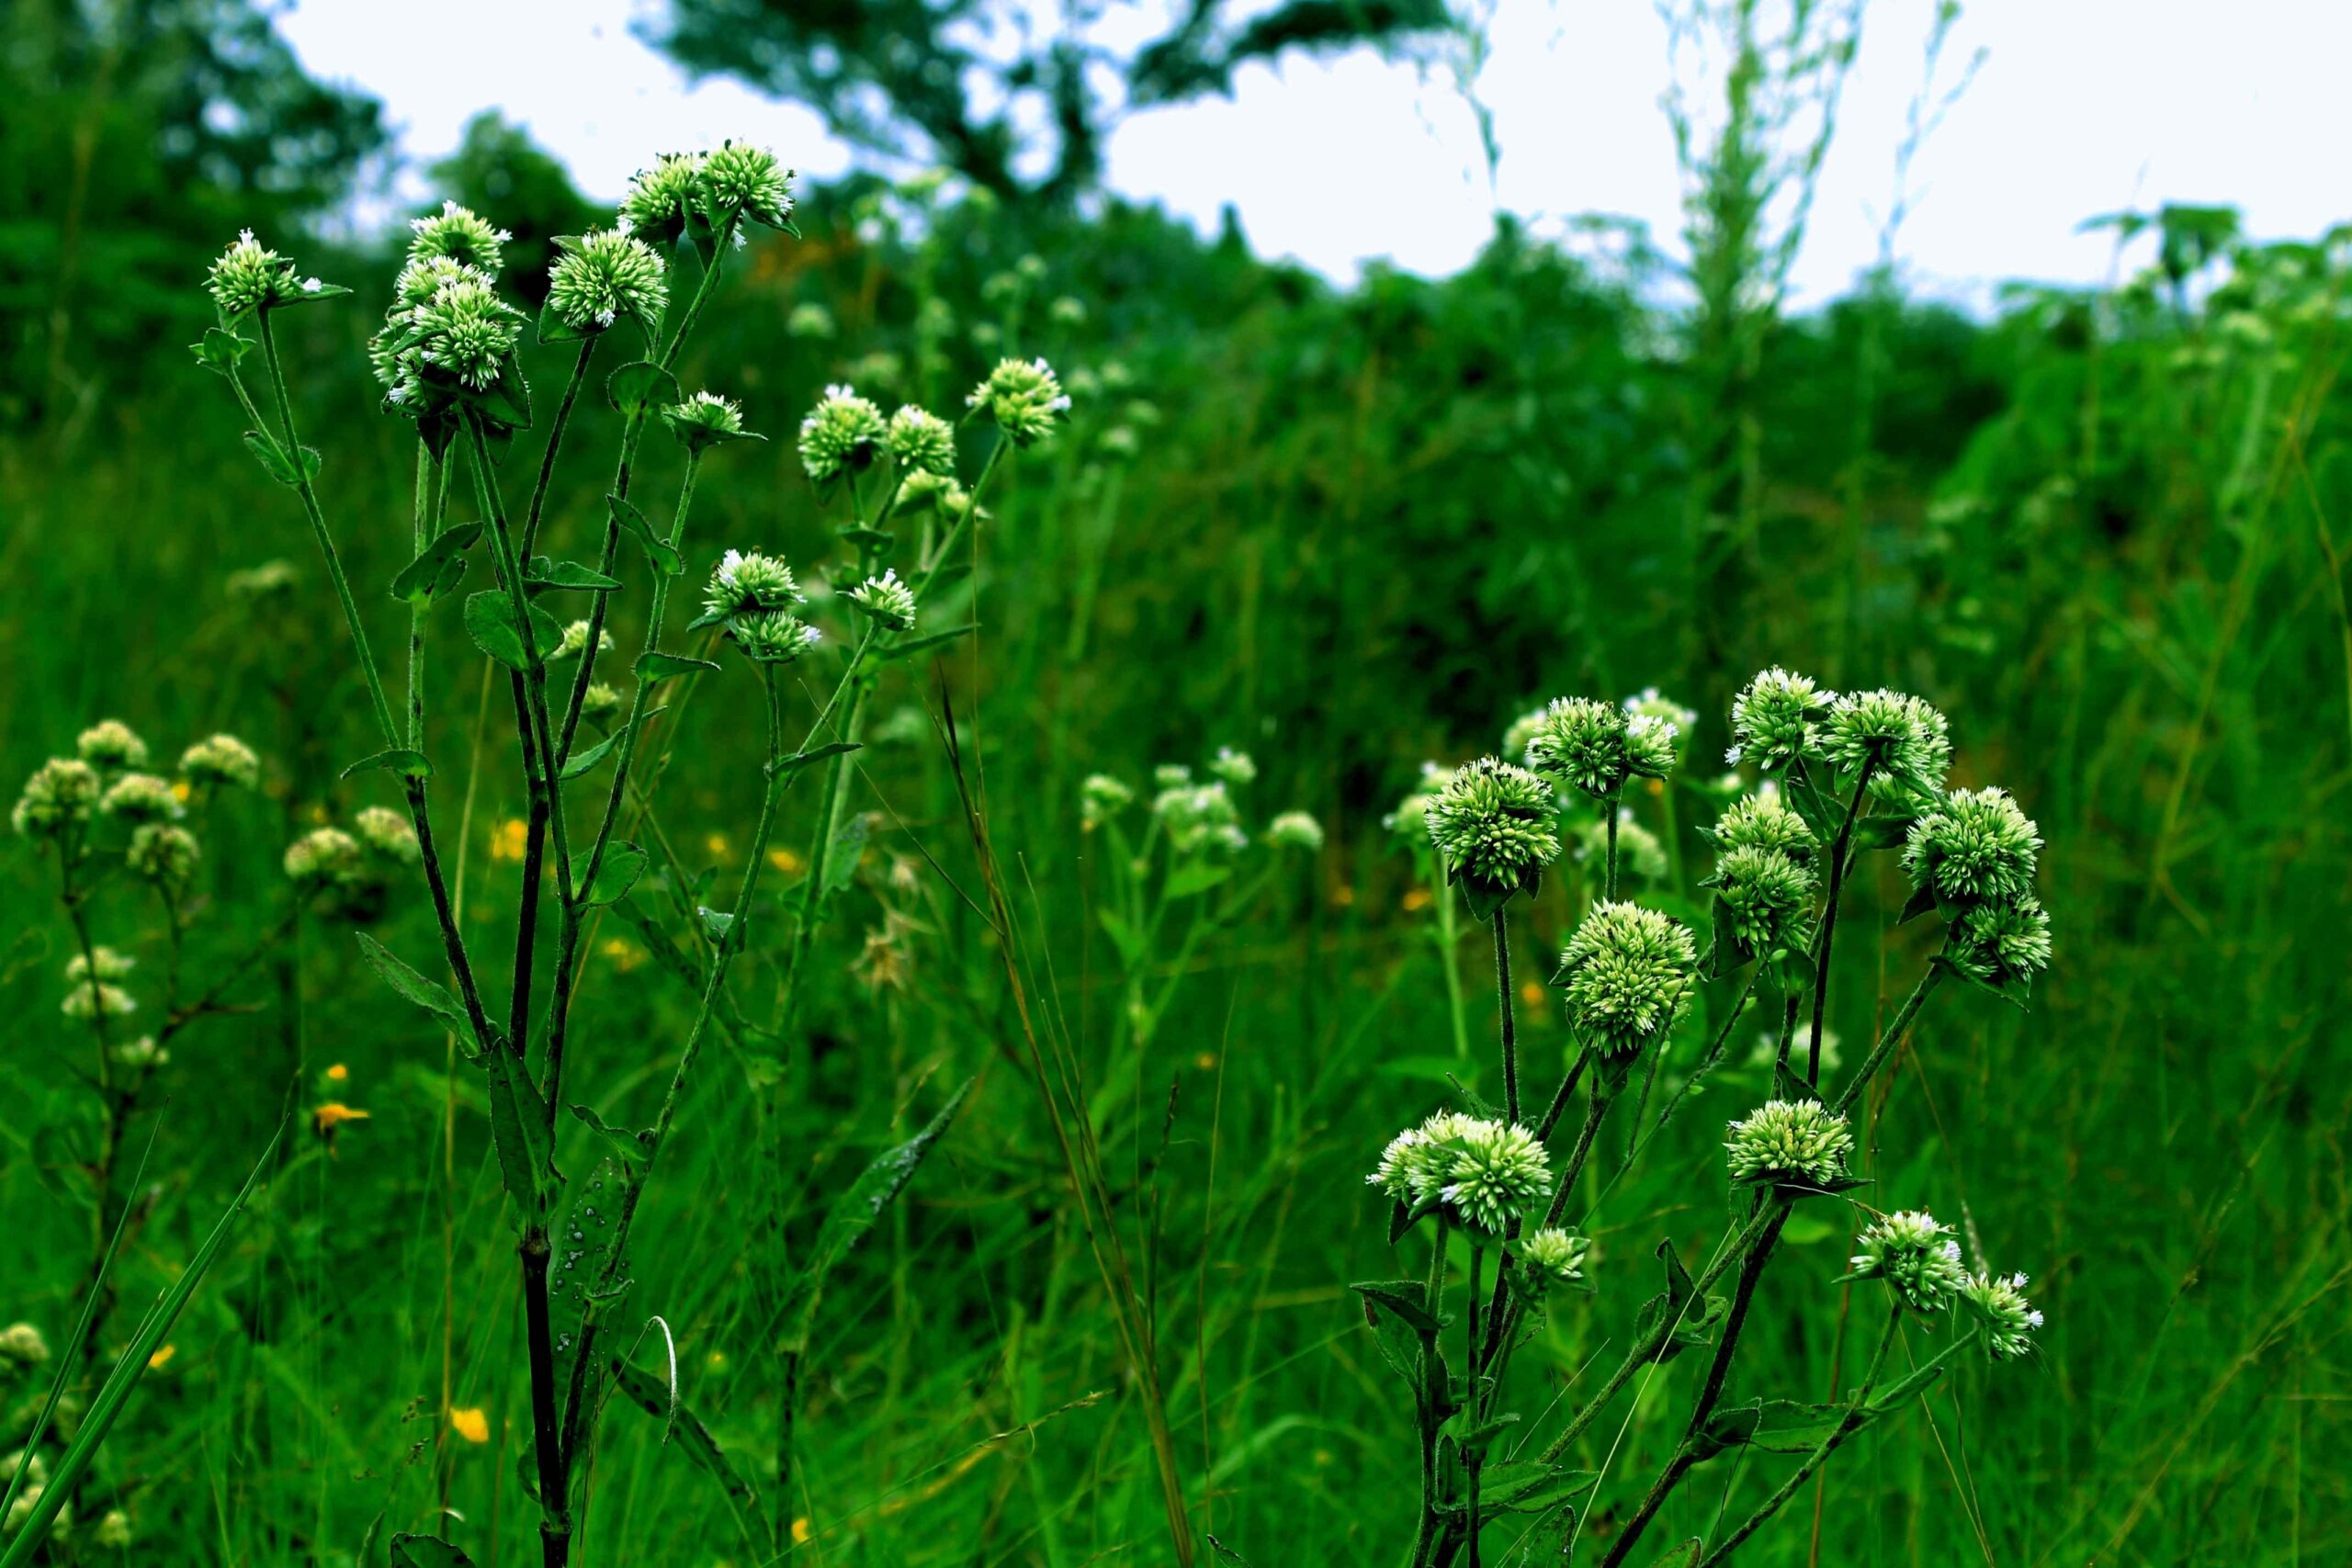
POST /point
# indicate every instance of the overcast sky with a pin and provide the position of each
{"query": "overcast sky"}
(2081, 107)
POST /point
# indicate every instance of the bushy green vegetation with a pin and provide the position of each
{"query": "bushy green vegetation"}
(1346, 532)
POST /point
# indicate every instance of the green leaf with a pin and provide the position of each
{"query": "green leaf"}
(840, 863)
(580, 762)
(430, 995)
(1475, 1434)
(1193, 878)
(639, 385)
(221, 350)
(1532, 1487)
(623, 863)
(1122, 936)
(545, 573)
(657, 1399)
(1786, 1427)
(922, 644)
(631, 521)
(1921, 902)
(785, 767)
(1226, 1554)
(873, 539)
(652, 667)
(408, 764)
(428, 1551)
(630, 1146)
(1405, 1300)
(580, 1248)
(518, 1127)
(553, 328)
(1729, 1428)
(1884, 830)
(854, 1213)
(323, 292)
(1683, 1556)
(438, 567)
(489, 621)
(274, 460)
(1901, 1393)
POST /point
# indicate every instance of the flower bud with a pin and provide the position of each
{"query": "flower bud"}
(1776, 719)
(220, 759)
(1628, 974)
(705, 419)
(61, 793)
(1905, 742)
(1234, 767)
(141, 798)
(457, 234)
(739, 180)
(922, 441)
(574, 641)
(2010, 1319)
(110, 744)
(1915, 1256)
(1554, 1257)
(163, 853)
(890, 601)
(1295, 830)
(1492, 828)
(247, 278)
(1024, 398)
(841, 434)
(1767, 899)
(1763, 821)
(599, 702)
(659, 197)
(1973, 848)
(1595, 747)
(606, 274)
(1799, 1143)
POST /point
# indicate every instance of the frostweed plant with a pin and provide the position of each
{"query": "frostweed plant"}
(1845, 775)
(449, 360)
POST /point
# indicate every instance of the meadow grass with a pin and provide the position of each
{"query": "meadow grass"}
(1367, 530)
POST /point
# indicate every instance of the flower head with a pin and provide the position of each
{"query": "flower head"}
(1024, 397)
(772, 636)
(466, 333)
(739, 180)
(24, 1345)
(890, 601)
(1411, 818)
(606, 274)
(1595, 747)
(1491, 826)
(104, 963)
(1199, 815)
(323, 857)
(220, 759)
(388, 833)
(1556, 1257)
(1766, 899)
(574, 641)
(423, 277)
(659, 197)
(703, 419)
(1797, 1141)
(920, 440)
(1915, 1256)
(249, 276)
(745, 582)
(97, 998)
(2010, 1318)
(1295, 830)
(1661, 711)
(599, 702)
(1903, 741)
(1101, 797)
(1973, 848)
(163, 853)
(1500, 1172)
(1776, 719)
(1234, 767)
(1763, 821)
(920, 491)
(112, 744)
(457, 234)
(1628, 974)
(841, 434)
(141, 798)
(61, 793)
(810, 319)
(2005, 942)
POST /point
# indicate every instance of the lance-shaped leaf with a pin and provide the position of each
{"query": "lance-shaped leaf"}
(1473, 1433)
(631, 521)
(519, 1128)
(408, 764)
(1531, 1485)
(853, 1214)
(657, 1399)
(580, 1250)
(1909, 1388)
(1672, 1321)
(925, 643)
(658, 666)
(544, 573)
(1787, 1426)
(438, 567)
(275, 464)
(428, 1551)
(1405, 1300)
(430, 995)
(785, 767)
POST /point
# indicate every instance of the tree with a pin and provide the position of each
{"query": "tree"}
(1018, 98)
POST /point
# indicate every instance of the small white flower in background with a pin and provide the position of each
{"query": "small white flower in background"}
(102, 962)
(220, 759)
(321, 857)
(112, 744)
(1024, 398)
(141, 798)
(388, 833)
(1101, 797)
(1294, 831)
(62, 792)
(97, 999)
(811, 320)
(163, 853)
(1234, 767)
(575, 641)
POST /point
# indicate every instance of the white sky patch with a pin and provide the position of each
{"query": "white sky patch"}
(2083, 106)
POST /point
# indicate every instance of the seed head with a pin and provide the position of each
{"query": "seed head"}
(841, 434)
(703, 419)
(1776, 719)
(163, 853)
(1595, 747)
(659, 197)
(1973, 848)
(739, 180)
(1295, 830)
(744, 583)
(457, 234)
(61, 793)
(141, 798)
(1234, 767)
(248, 277)
(917, 440)
(1915, 1256)
(1556, 1257)
(1628, 974)
(1491, 826)
(1762, 821)
(323, 857)
(1025, 399)
(606, 274)
(388, 833)
(1795, 1142)
(1101, 797)
(2010, 1318)
(890, 601)
(104, 963)
(772, 636)
(220, 759)
(1766, 899)
(110, 744)
(1906, 742)
(2003, 943)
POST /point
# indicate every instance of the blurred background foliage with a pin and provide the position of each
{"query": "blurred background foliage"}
(1348, 530)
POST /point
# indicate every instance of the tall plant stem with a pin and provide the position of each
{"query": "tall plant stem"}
(1510, 1017)
(1837, 869)
(1447, 934)
(1472, 1459)
(432, 493)
(1609, 874)
(1428, 1401)
(1502, 1313)
(1890, 1038)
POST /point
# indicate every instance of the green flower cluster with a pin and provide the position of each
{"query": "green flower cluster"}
(1628, 974)
(1491, 826)
(1915, 1255)
(1795, 1142)
(1486, 1173)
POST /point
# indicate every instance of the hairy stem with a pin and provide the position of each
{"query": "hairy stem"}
(1837, 869)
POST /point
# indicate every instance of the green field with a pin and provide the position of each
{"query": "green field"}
(1345, 532)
